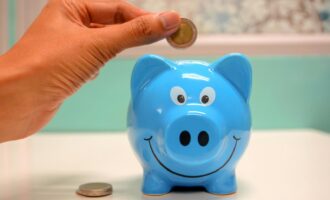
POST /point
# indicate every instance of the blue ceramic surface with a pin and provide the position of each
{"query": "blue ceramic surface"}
(189, 121)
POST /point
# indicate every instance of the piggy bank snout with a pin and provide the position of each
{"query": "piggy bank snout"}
(192, 136)
(185, 138)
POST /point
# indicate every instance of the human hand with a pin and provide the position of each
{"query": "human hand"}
(64, 48)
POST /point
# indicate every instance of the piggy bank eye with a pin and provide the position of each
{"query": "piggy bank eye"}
(178, 95)
(207, 96)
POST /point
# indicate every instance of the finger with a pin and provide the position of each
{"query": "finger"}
(109, 12)
(96, 25)
(141, 30)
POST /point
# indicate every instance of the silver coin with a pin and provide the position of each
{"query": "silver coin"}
(95, 189)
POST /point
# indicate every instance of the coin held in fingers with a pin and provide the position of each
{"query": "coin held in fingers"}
(185, 36)
(95, 189)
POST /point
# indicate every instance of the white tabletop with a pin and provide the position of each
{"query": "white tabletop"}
(277, 165)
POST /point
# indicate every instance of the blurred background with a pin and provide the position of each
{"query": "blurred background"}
(288, 42)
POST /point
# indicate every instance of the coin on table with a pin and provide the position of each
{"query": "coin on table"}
(185, 36)
(95, 189)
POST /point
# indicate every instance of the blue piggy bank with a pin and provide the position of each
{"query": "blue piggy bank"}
(189, 122)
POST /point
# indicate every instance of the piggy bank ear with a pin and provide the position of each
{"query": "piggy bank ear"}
(146, 69)
(237, 70)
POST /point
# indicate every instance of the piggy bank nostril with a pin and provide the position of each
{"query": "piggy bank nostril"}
(203, 138)
(185, 138)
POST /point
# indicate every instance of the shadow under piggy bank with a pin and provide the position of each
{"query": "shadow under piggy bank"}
(130, 189)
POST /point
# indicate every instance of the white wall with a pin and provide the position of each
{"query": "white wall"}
(26, 12)
(206, 45)
(3, 26)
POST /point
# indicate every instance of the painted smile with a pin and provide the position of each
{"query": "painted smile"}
(192, 176)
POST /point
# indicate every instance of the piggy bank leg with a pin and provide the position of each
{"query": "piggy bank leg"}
(224, 184)
(154, 184)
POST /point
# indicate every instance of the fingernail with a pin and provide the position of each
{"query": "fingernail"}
(169, 19)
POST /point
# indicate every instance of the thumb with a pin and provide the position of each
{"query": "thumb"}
(144, 29)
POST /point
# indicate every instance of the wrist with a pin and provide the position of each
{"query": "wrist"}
(21, 99)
